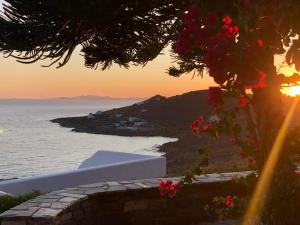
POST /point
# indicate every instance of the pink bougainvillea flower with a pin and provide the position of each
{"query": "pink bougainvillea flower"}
(195, 130)
(229, 201)
(218, 58)
(201, 119)
(195, 125)
(169, 188)
(215, 97)
(234, 30)
(260, 82)
(243, 102)
(206, 127)
(227, 20)
(260, 43)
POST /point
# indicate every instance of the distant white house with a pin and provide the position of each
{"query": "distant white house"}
(91, 116)
(140, 124)
(133, 119)
(2, 193)
(129, 128)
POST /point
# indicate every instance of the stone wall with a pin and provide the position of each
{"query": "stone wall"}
(122, 203)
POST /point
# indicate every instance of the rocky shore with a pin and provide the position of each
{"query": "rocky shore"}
(169, 117)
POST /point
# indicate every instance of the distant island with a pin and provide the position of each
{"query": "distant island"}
(84, 97)
(94, 97)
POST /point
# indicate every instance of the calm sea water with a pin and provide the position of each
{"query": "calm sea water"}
(31, 145)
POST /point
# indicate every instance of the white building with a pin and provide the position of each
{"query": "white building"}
(103, 166)
(133, 119)
(91, 116)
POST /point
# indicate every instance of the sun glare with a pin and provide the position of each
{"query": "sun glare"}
(255, 208)
(291, 91)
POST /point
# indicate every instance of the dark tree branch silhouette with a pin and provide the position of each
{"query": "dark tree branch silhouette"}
(109, 32)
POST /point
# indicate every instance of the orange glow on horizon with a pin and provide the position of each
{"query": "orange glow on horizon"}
(33, 81)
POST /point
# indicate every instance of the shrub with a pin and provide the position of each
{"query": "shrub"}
(7, 202)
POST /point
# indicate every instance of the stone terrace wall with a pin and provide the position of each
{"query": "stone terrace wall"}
(122, 203)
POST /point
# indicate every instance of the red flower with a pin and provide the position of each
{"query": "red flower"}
(298, 172)
(233, 31)
(168, 188)
(195, 125)
(215, 97)
(227, 20)
(197, 128)
(244, 102)
(219, 59)
(206, 127)
(201, 119)
(229, 200)
(260, 43)
(260, 81)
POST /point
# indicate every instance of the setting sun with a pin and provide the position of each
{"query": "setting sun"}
(291, 91)
(288, 71)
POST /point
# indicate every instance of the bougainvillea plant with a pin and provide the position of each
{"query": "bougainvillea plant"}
(222, 207)
(237, 46)
(169, 188)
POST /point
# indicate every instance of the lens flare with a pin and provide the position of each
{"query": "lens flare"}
(253, 213)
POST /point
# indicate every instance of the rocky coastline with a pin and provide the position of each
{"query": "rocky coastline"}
(168, 117)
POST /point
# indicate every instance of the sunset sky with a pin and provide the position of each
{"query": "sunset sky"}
(33, 81)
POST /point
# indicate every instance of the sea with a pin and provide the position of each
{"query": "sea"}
(32, 145)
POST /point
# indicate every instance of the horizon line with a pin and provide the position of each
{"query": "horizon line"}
(73, 97)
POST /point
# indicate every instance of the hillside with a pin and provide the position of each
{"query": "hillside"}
(169, 117)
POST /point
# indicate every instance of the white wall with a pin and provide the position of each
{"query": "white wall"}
(135, 167)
